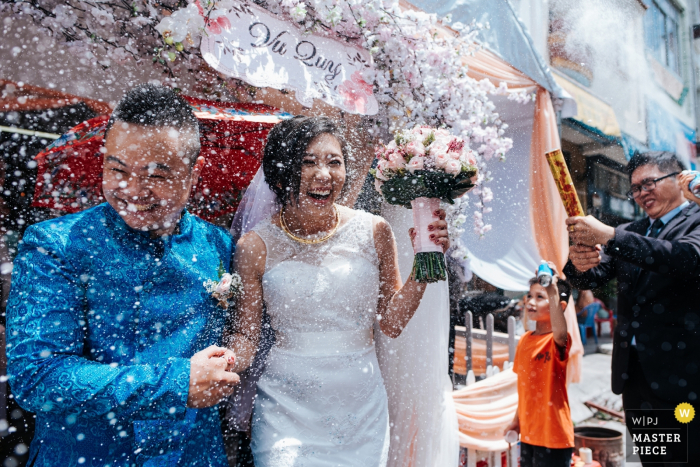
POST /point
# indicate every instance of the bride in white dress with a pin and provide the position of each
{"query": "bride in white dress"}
(325, 273)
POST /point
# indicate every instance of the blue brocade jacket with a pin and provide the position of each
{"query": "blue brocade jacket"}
(102, 321)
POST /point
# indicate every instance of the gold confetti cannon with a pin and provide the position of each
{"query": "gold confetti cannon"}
(562, 177)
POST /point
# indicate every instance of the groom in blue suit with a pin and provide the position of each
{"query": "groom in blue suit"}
(111, 334)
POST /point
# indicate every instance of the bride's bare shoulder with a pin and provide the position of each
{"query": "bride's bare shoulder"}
(251, 245)
(379, 224)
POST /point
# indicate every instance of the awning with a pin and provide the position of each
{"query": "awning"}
(506, 36)
(23, 97)
(593, 112)
(667, 133)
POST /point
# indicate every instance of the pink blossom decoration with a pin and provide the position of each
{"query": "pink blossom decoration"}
(356, 93)
(216, 26)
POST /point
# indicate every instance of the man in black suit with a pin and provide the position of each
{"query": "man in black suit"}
(656, 260)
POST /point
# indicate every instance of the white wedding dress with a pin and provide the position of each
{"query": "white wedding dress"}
(321, 400)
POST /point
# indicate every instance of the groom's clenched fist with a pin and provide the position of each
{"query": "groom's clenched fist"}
(210, 381)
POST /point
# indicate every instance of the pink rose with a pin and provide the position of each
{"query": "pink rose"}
(436, 148)
(395, 161)
(453, 167)
(443, 137)
(419, 131)
(416, 163)
(455, 145)
(224, 285)
(441, 160)
(415, 148)
(454, 155)
(468, 156)
(381, 167)
(356, 92)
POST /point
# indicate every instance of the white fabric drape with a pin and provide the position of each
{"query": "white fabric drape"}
(424, 430)
(507, 256)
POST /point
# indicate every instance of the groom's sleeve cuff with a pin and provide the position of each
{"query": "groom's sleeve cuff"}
(162, 394)
(180, 373)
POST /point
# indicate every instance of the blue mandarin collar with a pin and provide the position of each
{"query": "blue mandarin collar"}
(115, 223)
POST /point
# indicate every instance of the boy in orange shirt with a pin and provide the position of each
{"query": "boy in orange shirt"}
(543, 418)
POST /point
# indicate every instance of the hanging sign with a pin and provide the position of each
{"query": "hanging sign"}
(265, 51)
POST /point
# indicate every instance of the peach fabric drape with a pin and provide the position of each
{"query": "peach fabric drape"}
(487, 65)
(500, 355)
(485, 409)
(546, 207)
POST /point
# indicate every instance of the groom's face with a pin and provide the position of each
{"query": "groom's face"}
(147, 176)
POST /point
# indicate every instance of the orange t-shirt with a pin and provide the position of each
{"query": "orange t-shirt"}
(543, 403)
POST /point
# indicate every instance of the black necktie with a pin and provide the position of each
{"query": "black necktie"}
(656, 228)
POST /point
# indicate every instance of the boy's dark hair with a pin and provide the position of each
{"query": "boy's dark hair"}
(285, 149)
(158, 106)
(563, 287)
(667, 162)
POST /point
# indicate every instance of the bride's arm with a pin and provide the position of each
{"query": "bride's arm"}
(398, 302)
(249, 263)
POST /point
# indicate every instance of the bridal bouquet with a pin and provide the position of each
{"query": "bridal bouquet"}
(418, 169)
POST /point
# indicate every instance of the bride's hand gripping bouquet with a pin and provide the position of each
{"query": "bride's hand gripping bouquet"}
(418, 169)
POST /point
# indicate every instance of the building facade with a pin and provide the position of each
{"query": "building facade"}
(632, 67)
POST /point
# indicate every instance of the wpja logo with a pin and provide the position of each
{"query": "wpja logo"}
(658, 435)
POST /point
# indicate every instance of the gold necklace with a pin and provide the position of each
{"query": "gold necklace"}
(306, 241)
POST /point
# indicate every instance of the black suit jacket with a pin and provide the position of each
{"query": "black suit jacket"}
(658, 286)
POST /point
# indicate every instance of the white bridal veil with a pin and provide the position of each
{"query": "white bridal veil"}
(257, 204)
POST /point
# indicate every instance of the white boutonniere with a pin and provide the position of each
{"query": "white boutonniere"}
(227, 288)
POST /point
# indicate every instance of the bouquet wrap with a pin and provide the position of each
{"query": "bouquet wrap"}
(565, 185)
(429, 261)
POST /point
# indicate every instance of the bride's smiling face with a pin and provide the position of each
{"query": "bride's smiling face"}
(322, 174)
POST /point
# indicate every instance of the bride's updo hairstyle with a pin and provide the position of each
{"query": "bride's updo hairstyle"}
(285, 149)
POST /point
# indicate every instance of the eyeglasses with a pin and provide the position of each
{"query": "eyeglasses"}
(646, 185)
